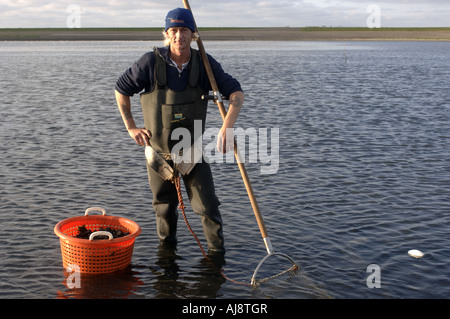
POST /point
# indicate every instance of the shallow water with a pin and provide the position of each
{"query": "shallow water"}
(363, 171)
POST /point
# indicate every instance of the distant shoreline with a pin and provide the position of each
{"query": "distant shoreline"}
(231, 34)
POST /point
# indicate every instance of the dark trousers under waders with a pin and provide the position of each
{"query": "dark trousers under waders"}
(204, 202)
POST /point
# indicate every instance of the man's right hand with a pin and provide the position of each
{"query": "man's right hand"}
(142, 136)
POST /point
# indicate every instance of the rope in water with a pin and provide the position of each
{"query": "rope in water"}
(177, 183)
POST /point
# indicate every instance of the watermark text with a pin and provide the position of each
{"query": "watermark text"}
(374, 279)
(74, 19)
(74, 279)
(254, 146)
(374, 19)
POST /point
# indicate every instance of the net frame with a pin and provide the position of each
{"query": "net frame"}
(257, 282)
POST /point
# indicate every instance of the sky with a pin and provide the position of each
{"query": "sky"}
(225, 13)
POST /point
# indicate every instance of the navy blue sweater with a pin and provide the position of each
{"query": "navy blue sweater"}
(140, 76)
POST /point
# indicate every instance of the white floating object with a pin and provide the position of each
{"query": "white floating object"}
(415, 253)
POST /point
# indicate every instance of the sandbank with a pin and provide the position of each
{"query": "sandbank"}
(231, 34)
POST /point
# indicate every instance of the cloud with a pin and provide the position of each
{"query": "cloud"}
(219, 13)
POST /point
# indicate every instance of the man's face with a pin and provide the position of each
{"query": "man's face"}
(180, 37)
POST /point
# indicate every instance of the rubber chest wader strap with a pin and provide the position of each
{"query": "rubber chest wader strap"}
(195, 69)
(160, 70)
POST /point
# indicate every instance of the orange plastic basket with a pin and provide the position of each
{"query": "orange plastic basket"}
(96, 256)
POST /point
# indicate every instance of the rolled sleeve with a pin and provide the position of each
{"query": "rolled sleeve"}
(226, 83)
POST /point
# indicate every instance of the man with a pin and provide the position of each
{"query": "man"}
(174, 80)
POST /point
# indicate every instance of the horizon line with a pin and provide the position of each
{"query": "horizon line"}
(346, 28)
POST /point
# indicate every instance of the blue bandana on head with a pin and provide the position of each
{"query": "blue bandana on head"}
(180, 17)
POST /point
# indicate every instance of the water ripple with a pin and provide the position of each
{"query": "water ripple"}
(363, 170)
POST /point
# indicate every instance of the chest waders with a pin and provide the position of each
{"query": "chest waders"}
(164, 111)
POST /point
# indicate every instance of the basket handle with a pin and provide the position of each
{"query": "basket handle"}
(101, 233)
(99, 209)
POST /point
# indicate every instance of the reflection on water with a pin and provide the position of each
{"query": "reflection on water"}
(363, 170)
(121, 284)
(205, 279)
(167, 281)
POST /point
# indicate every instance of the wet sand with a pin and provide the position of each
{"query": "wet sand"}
(233, 34)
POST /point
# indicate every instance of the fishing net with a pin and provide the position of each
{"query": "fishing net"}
(274, 273)
(277, 276)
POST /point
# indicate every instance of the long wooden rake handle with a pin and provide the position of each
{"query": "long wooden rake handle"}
(240, 161)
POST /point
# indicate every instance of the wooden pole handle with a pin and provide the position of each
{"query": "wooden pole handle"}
(223, 113)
